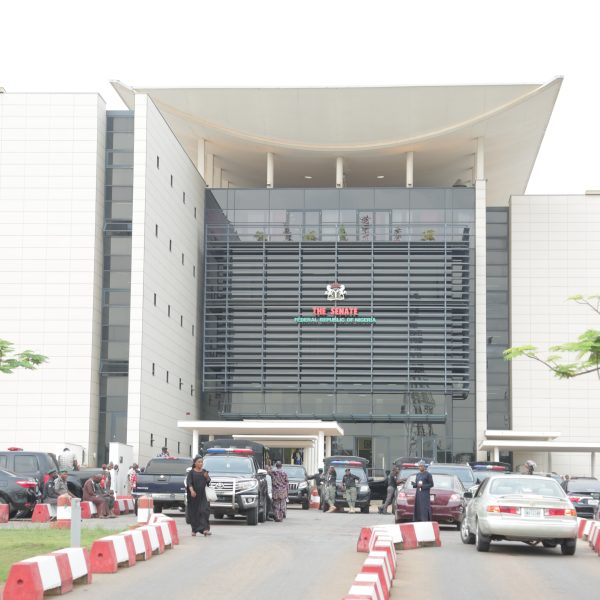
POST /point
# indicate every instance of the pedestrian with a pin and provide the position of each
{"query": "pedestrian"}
(349, 488)
(318, 477)
(329, 489)
(423, 483)
(50, 495)
(198, 507)
(164, 453)
(90, 494)
(269, 479)
(280, 492)
(392, 485)
(60, 484)
(132, 478)
(67, 460)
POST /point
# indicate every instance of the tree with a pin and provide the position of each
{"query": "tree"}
(587, 349)
(9, 361)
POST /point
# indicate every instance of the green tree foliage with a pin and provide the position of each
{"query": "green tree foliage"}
(9, 360)
(586, 349)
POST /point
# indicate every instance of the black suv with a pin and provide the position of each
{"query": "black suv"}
(298, 488)
(240, 485)
(20, 493)
(358, 467)
(37, 465)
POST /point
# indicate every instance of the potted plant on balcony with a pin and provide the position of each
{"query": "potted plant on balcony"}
(428, 235)
(342, 236)
(260, 235)
(310, 236)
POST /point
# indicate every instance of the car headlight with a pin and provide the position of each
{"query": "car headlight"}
(246, 484)
(302, 485)
(364, 489)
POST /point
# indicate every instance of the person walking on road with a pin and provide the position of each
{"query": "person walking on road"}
(198, 507)
(423, 483)
(280, 492)
(349, 488)
(392, 484)
(329, 489)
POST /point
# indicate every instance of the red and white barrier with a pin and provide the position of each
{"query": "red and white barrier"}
(142, 551)
(172, 524)
(415, 535)
(63, 512)
(111, 552)
(88, 510)
(145, 509)
(381, 568)
(157, 544)
(4, 513)
(42, 513)
(30, 579)
(78, 560)
(362, 591)
(594, 536)
(162, 528)
(315, 499)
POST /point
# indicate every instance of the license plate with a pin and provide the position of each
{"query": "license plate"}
(593, 502)
(532, 512)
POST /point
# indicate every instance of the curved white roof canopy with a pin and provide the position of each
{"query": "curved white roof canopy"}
(371, 128)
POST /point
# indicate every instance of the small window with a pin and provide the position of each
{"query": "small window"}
(152, 439)
(169, 310)
(181, 320)
(191, 390)
(193, 330)
(180, 383)
(194, 212)
(166, 443)
(156, 230)
(178, 447)
(158, 162)
(167, 376)
(153, 369)
(155, 299)
(171, 180)
(184, 197)
(194, 270)
(26, 464)
(170, 245)
(182, 258)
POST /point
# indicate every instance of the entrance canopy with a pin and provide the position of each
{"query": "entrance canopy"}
(314, 436)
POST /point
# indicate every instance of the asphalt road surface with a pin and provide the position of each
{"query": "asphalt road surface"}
(509, 571)
(313, 555)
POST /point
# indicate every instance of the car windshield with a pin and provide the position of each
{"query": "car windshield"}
(294, 472)
(583, 485)
(465, 474)
(506, 486)
(235, 465)
(168, 466)
(440, 482)
(407, 472)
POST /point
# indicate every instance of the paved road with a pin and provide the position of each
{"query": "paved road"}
(509, 570)
(309, 552)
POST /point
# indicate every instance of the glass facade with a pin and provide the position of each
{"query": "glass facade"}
(390, 355)
(116, 283)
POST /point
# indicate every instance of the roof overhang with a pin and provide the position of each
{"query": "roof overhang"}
(371, 128)
(254, 429)
(540, 446)
(504, 434)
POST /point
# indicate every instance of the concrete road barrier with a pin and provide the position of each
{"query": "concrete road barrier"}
(42, 513)
(111, 552)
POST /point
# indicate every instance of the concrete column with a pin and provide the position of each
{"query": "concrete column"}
(308, 459)
(270, 168)
(320, 449)
(410, 156)
(201, 157)
(327, 446)
(210, 165)
(339, 172)
(480, 160)
(217, 178)
(593, 465)
(496, 454)
(195, 435)
(225, 182)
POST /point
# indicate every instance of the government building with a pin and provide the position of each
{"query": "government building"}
(357, 256)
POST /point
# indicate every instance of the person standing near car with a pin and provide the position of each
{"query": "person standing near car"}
(198, 507)
(423, 483)
(392, 485)
(329, 489)
(280, 492)
(349, 481)
(67, 460)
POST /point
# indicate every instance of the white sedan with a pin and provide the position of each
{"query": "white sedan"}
(523, 508)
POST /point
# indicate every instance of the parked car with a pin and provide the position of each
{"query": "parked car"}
(483, 470)
(20, 493)
(358, 467)
(240, 485)
(446, 496)
(298, 488)
(584, 494)
(37, 465)
(462, 470)
(164, 481)
(525, 508)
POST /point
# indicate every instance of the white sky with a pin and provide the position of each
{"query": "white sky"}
(80, 45)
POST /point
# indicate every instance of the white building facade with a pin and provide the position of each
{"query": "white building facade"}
(115, 226)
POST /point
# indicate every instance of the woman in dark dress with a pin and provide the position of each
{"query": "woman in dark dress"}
(198, 507)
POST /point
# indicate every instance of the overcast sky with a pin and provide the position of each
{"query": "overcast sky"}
(80, 45)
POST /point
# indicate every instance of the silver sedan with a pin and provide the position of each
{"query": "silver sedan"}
(523, 508)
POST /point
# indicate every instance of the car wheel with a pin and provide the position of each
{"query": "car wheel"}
(548, 544)
(218, 515)
(465, 535)
(262, 515)
(568, 547)
(458, 525)
(364, 509)
(252, 516)
(482, 542)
